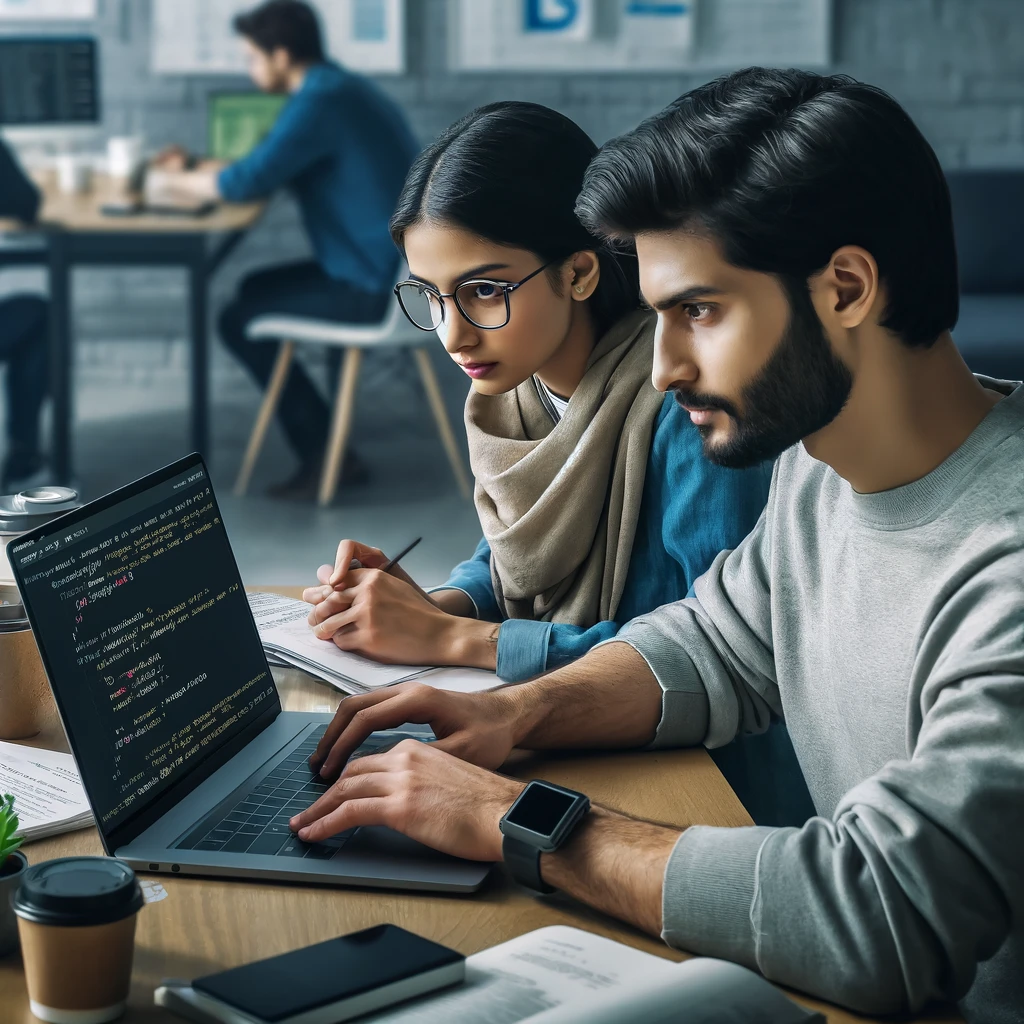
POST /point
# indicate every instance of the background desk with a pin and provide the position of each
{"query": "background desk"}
(206, 925)
(73, 232)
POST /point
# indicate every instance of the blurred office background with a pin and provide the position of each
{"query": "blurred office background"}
(957, 66)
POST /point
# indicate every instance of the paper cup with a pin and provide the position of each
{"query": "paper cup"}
(76, 922)
(26, 703)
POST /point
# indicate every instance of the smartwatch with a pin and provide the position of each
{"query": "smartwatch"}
(540, 821)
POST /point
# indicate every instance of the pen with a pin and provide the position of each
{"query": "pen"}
(391, 562)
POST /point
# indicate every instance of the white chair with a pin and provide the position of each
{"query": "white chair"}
(394, 331)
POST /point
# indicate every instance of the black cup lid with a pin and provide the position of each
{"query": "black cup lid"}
(78, 891)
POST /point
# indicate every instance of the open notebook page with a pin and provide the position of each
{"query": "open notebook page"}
(561, 975)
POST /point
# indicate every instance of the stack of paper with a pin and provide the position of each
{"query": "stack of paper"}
(47, 790)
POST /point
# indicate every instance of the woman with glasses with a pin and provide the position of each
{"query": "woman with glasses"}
(595, 502)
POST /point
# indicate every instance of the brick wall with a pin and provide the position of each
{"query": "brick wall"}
(955, 64)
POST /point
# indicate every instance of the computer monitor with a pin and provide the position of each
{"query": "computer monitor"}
(48, 80)
(237, 121)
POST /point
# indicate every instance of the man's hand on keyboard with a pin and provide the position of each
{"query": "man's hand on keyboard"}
(418, 790)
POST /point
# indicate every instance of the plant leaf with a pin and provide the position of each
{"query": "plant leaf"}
(9, 823)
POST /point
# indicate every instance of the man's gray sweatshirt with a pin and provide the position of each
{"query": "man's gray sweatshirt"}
(888, 630)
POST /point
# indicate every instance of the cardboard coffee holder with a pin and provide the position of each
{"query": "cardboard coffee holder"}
(76, 921)
(85, 969)
(26, 703)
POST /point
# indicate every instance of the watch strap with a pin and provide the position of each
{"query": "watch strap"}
(523, 863)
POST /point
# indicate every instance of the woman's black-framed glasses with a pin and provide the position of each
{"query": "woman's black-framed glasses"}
(483, 302)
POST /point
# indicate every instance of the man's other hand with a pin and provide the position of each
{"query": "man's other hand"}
(478, 727)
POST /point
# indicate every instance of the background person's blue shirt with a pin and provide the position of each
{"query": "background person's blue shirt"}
(691, 510)
(343, 148)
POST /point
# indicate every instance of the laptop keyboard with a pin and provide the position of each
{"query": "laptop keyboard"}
(257, 822)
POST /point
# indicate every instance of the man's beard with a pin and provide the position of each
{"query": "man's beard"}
(802, 388)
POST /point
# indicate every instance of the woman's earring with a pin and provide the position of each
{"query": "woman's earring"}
(579, 289)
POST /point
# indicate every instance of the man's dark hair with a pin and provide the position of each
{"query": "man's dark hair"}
(510, 172)
(782, 168)
(290, 24)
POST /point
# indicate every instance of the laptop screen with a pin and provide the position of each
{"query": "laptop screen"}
(146, 632)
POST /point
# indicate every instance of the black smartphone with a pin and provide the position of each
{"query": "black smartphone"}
(335, 980)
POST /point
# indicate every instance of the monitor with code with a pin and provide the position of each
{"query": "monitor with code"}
(48, 80)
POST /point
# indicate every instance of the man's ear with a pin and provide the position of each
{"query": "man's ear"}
(846, 292)
(280, 59)
(585, 273)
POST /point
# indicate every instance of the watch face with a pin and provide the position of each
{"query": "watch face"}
(540, 809)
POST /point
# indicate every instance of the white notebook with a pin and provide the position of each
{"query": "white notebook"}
(287, 639)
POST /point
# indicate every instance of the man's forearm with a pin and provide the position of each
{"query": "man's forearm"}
(610, 698)
(616, 864)
(204, 183)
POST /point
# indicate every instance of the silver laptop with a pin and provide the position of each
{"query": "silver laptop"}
(189, 763)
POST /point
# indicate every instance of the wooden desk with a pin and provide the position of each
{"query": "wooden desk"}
(206, 925)
(73, 232)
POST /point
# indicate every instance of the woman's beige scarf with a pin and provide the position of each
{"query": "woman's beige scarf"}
(559, 503)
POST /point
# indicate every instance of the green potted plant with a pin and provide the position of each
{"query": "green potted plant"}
(12, 866)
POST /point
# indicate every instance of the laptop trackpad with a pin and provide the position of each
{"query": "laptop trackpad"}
(376, 841)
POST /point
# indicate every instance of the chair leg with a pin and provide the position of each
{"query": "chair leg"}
(444, 427)
(275, 387)
(341, 424)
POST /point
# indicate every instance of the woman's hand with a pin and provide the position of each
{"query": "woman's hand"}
(384, 618)
(333, 577)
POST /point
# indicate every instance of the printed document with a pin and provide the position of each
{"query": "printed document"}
(47, 790)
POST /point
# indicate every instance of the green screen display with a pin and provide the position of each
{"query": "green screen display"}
(238, 121)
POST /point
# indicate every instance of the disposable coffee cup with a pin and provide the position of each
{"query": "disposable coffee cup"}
(76, 922)
(26, 704)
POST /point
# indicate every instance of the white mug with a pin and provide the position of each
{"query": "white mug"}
(124, 154)
(74, 174)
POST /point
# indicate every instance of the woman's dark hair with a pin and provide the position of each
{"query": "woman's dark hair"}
(510, 172)
(290, 24)
(782, 168)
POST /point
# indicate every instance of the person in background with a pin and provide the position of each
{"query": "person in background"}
(23, 346)
(794, 234)
(595, 500)
(342, 148)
